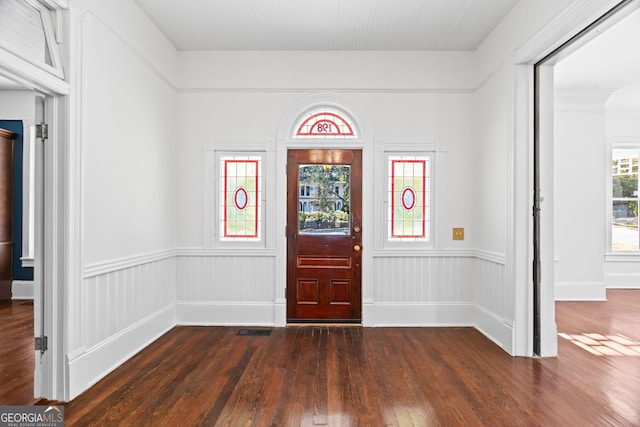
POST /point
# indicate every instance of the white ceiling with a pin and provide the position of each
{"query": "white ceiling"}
(610, 61)
(326, 24)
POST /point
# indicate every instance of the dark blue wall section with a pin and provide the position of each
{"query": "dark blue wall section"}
(19, 272)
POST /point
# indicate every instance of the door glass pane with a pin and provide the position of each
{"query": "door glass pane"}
(323, 201)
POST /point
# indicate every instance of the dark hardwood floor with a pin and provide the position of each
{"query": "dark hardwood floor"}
(16, 353)
(351, 376)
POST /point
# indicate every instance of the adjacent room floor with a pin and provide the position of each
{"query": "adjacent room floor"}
(351, 376)
(17, 360)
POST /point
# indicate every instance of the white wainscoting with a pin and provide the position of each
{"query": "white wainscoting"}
(494, 299)
(222, 287)
(420, 289)
(432, 277)
(443, 288)
(127, 304)
(430, 288)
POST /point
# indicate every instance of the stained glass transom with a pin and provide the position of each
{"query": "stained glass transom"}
(325, 123)
(240, 197)
(408, 198)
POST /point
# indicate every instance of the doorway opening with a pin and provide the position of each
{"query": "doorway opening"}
(559, 269)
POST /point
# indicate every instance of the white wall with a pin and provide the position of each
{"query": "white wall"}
(492, 107)
(491, 114)
(404, 97)
(19, 105)
(324, 71)
(580, 194)
(623, 127)
(130, 140)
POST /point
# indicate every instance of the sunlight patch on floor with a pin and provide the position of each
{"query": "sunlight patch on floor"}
(604, 345)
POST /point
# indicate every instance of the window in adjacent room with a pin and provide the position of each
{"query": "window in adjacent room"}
(625, 198)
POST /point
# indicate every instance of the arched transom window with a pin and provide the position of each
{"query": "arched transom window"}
(325, 123)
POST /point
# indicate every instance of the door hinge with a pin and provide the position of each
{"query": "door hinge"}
(41, 343)
(42, 131)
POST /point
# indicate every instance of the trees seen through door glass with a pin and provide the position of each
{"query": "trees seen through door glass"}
(323, 201)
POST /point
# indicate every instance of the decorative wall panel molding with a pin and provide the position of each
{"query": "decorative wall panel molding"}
(104, 267)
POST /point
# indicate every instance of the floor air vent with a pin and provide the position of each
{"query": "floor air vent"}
(254, 332)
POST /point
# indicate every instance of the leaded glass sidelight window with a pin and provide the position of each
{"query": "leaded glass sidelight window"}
(240, 197)
(409, 196)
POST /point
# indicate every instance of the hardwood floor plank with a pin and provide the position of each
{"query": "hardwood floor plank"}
(17, 354)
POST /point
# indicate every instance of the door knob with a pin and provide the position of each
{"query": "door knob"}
(356, 229)
(356, 248)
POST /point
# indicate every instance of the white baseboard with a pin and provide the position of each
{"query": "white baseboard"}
(622, 280)
(22, 290)
(222, 313)
(418, 314)
(280, 311)
(580, 291)
(494, 327)
(85, 368)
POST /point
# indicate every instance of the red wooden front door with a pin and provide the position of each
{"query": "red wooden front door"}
(324, 237)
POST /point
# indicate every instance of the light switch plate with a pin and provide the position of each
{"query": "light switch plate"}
(458, 234)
